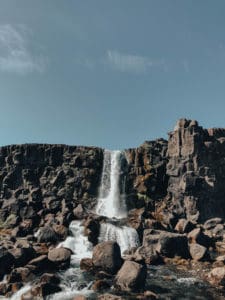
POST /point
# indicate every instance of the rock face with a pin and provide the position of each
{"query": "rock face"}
(147, 179)
(38, 180)
(195, 169)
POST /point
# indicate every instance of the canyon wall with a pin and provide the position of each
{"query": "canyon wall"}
(42, 183)
(181, 177)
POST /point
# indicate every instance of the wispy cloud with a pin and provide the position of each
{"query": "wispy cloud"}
(15, 51)
(125, 62)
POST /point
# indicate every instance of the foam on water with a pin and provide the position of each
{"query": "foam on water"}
(23, 290)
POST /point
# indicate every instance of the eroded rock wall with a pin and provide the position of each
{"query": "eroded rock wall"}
(40, 182)
(185, 177)
(196, 171)
(146, 180)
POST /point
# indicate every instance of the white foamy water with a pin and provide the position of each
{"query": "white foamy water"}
(18, 294)
(125, 236)
(111, 201)
(73, 283)
(77, 242)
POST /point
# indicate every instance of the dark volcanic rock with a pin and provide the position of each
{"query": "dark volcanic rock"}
(131, 277)
(165, 243)
(60, 257)
(198, 252)
(195, 169)
(47, 235)
(107, 257)
(6, 262)
(38, 179)
(147, 180)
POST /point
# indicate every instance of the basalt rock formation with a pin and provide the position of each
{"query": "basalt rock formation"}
(196, 165)
(172, 187)
(42, 184)
(185, 176)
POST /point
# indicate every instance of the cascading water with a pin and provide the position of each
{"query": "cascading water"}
(73, 279)
(125, 236)
(111, 202)
(77, 242)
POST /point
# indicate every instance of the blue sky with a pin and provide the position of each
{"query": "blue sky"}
(109, 73)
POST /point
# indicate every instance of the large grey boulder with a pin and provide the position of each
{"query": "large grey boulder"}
(107, 257)
(60, 257)
(131, 277)
(165, 243)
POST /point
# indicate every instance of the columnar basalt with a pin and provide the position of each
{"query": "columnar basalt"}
(196, 171)
(46, 182)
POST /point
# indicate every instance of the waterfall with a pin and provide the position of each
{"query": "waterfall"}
(125, 236)
(111, 201)
(77, 242)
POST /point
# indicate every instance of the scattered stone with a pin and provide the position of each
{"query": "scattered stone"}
(6, 262)
(60, 257)
(184, 226)
(47, 235)
(107, 257)
(198, 237)
(198, 252)
(78, 212)
(100, 285)
(131, 277)
(86, 264)
(217, 276)
(212, 223)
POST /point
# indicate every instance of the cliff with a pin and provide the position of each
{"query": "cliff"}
(181, 177)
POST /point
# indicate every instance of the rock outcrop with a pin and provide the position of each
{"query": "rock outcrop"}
(41, 184)
(196, 171)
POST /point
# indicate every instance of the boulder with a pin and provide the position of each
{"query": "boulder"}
(172, 244)
(211, 223)
(198, 252)
(47, 235)
(184, 226)
(40, 264)
(217, 276)
(197, 236)
(107, 257)
(60, 257)
(131, 277)
(165, 243)
(100, 285)
(22, 274)
(78, 212)
(6, 262)
(22, 255)
(86, 264)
